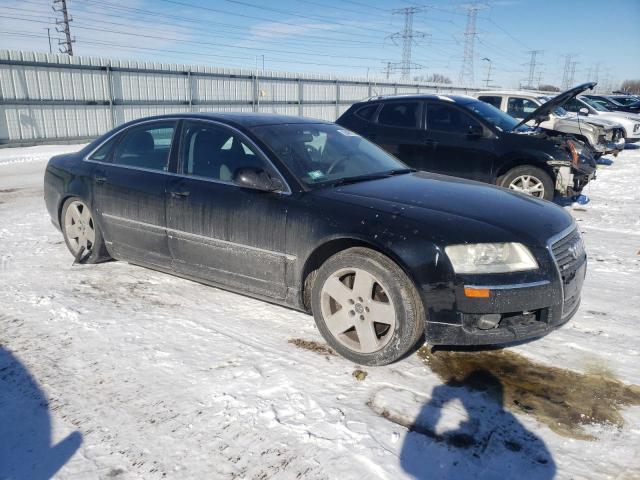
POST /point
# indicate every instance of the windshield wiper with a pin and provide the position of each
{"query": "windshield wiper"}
(373, 176)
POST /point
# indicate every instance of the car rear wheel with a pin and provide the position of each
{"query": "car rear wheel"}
(366, 307)
(81, 231)
(530, 180)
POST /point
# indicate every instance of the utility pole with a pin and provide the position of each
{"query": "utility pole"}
(62, 26)
(466, 72)
(407, 35)
(532, 66)
(488, 79)
(49, 37)
(387, 69)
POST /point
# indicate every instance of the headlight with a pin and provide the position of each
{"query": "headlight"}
(490, 258)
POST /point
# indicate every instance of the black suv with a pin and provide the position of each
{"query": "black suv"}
(464, 137)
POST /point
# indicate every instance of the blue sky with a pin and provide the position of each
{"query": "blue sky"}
(348, 37)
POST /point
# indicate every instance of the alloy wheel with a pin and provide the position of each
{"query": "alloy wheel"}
(528, 184)
(79, 227)
(357, 310)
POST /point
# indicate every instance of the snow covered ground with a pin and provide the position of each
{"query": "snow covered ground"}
(115, 371)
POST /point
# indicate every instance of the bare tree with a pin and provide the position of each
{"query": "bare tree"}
(433, 78)
(548, 88)
(631, 86)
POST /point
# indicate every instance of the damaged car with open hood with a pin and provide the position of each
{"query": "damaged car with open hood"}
(605, 136)
(462, 136)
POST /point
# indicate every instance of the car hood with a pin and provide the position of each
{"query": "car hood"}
(544, 110)
(416, 195)
(600, 122)
(620, 116)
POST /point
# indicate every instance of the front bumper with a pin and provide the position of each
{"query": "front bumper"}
(526, 311)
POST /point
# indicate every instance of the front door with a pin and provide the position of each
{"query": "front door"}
(462, 146)
(218, 231)
(129, 182)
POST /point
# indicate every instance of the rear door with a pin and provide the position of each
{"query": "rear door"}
(129, 185)
(398, 130)
(458, 152)
(218, 231)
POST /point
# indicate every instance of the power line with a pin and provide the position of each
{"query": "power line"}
(62, 26)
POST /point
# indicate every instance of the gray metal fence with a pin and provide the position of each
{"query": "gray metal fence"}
(57, 98)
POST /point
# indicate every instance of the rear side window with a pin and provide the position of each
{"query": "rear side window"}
(446, 118)
(146, 146)
(491, 100)
(400, 114)
(367, 113)
(519, 107)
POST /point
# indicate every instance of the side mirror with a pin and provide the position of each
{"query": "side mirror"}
(584, 111)
(474, 131)
(256, 178)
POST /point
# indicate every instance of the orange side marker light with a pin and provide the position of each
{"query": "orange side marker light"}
(477, 292)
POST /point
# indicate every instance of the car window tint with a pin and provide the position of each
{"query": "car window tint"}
(396, 114)
(146, 147)
(491, 100)
(520, 107)
(366, 113)
(103, 153)
(215, 152)
(573, 105)
(446, 118)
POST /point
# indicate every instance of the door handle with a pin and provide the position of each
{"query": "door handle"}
(99, 178)
(180, 194)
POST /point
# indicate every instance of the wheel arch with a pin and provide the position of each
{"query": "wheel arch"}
(330, 247)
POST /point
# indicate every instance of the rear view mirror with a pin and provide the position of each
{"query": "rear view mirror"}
(474, 131)
(584, 111)
(256, 178)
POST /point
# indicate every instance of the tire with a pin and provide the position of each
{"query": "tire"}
(537, 178)
(76, 212)
(382, 292)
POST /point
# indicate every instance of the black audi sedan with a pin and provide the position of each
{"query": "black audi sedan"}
(310, 215)
(465, 137)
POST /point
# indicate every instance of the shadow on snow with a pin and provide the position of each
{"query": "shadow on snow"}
(26, 450)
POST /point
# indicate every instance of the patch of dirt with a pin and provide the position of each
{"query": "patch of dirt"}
(359, 375)
(321, 348)
(564, 400)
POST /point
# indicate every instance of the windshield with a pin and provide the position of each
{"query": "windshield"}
(595, 105)
(494, 116)
(323, 153)
(559, 111)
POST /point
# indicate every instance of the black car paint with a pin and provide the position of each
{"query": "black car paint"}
(483, 157)
(268, 244)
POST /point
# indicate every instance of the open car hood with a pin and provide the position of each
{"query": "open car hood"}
(541, 113)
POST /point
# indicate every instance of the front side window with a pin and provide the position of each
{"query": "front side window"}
(574, 105)
(446, 118)
(519, 107)
(491, 100)
(400, 114)
(493, 116)
(323, 153)
(103, 154)
(215, 152)
(146, 146)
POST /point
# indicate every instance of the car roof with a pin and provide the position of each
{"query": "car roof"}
(240, 119)
(522, 93)
(421, 96)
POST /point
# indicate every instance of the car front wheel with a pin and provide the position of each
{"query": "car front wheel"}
(366, 307)
(530, 180)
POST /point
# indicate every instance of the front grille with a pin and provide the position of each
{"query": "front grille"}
(569, 253)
